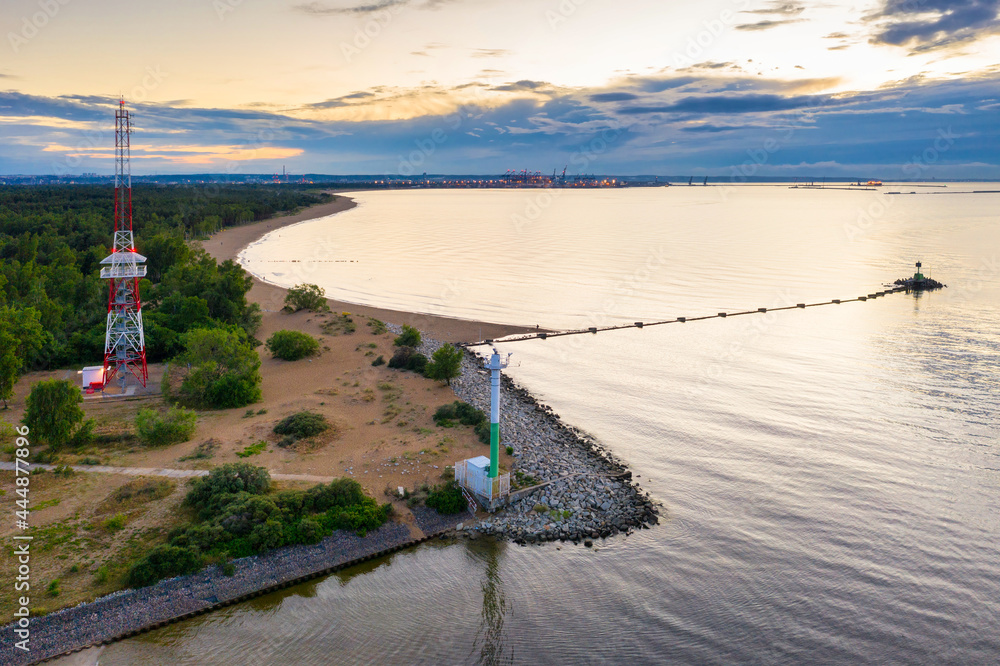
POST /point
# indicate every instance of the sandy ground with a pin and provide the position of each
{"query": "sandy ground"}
(383, 433)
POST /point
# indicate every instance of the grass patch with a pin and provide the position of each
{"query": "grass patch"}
(115, 523)
(204, 451)
(134, 494)
(342, 324)
(252, 450)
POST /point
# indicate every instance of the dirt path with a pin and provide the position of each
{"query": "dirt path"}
(159, 471)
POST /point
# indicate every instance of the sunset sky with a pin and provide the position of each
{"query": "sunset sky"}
(880, 88)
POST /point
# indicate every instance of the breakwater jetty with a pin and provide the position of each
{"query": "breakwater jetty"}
(573, 489)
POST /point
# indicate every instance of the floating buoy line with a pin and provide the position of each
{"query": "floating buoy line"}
(593, 330)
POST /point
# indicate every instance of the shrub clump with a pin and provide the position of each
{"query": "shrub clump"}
(306, 297)
(446, 499)
(408, 358)
(164, 561)
(239, 516)
(301, 425)
(409, 338)
(292, 345)
(459, 411)
(176, 426)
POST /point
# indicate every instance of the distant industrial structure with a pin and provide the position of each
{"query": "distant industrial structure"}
(124, 342)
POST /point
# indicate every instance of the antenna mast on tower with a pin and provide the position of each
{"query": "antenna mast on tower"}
(124, 344)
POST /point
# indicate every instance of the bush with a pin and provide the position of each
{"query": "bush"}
(233, 390)
(155, 430)
(459, 411)
(306, 297)
(238, 517)
(362, 517)
(301, 425)
(447, 499)
(115, 523)
(408, 358)
(378, 326)
(292, 345)
(409, 338)
(228, 479)
(483, 432)
(379, 361)
(164, 561)
(309, 531)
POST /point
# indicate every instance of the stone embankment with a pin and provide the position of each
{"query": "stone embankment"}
(583, 491)
(130, 612)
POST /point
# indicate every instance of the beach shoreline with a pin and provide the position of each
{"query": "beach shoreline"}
(585, 490)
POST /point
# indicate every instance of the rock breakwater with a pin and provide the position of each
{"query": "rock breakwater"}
(572, 489)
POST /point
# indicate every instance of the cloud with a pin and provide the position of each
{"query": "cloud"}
(325, 9)
(707, 122)
(520, 86)
(766, 24)
(729, 104)
(778, 7)
(489, 53)
(613, 97)
(923, 25)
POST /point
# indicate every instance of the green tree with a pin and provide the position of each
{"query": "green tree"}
(21, 338)
(292, 345)
(224, 369)
(306, 297)
(446, 364)
(409, 338)
(53, 411)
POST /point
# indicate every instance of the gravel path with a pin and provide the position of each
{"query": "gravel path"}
(113, 616)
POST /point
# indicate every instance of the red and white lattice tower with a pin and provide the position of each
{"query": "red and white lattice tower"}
(124, 344)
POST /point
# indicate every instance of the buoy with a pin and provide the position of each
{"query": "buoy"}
(593, 329)
(638, 324)
(682, 319)
(800, 305)
(761, 309)
(836, 300)
(722, 314)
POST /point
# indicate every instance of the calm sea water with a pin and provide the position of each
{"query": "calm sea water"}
(830, 477)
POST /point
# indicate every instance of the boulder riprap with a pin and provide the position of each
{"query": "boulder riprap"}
(583, 491)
